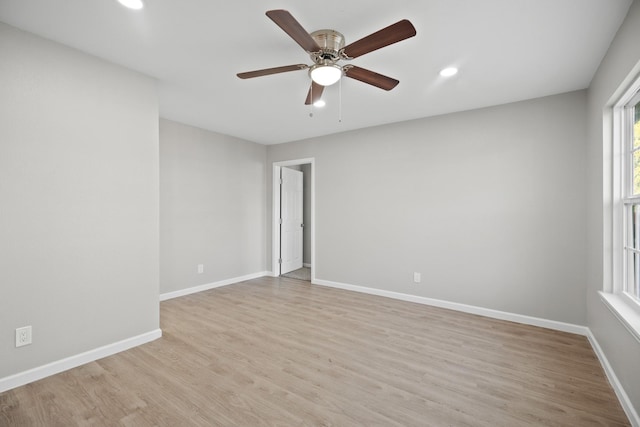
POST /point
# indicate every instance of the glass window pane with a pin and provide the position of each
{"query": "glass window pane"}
(633, 273)
(636, 172)
(636, 125)
(635, 227)
(635, 144)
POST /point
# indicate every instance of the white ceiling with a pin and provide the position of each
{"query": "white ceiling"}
(507, 50)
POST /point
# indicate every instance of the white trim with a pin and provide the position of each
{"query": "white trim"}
(632, 200)
(624, 311)
(275, 228)
(40, 372)
(487, 312)
(207, 286)
(618, 227)
(313, 219)
(306, 264)
(624, 399)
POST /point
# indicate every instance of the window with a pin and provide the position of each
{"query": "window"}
(621, 293)
(629, 134)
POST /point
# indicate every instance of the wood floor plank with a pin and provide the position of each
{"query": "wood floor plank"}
(281, 352)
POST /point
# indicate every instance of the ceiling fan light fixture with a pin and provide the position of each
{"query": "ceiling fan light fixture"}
(132, 4)
(325, 74)
(319, 103)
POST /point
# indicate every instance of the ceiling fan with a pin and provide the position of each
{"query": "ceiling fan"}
(327, 47)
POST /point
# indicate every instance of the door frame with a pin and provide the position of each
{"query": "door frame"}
(275, 226)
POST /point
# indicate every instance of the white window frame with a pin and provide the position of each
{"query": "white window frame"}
(622, 304)
(625, 119)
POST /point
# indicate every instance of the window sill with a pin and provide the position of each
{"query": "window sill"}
(624, 311)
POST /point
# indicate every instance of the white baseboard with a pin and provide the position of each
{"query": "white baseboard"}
(35, 374)
(624, 399)
(306, 264)
(207, 286)
(487, 312)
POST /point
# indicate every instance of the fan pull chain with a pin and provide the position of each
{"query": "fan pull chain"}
(311, 101)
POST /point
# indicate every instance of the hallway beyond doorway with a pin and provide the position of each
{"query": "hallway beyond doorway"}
(303, 273)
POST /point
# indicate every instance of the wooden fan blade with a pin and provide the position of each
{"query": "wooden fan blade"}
(370, 77)
(394, 33)
(288, 23)
(275, 70)
(315, 92)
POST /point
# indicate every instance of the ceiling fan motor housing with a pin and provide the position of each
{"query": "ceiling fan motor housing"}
(330, 42)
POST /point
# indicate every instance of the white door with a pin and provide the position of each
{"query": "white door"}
(291, 226)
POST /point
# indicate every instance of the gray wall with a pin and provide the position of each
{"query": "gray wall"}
(212, 207)
(78, 201)
(486, 204)
(621, 349)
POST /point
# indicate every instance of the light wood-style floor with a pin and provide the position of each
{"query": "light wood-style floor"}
(282, 352)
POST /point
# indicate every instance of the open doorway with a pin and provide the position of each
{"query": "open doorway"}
(293, 219)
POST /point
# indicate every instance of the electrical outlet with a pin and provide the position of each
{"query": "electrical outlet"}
(200, 268)
(23, 336)
(416, 278)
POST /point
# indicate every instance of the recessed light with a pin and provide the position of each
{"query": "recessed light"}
(132, 4)
(448, 72)
(319, 103)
